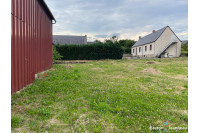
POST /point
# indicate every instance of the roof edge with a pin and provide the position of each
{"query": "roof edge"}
(156, 39)
(175, 34)
(47, 9)
(159, 36)
(171, 30)
(142, 44)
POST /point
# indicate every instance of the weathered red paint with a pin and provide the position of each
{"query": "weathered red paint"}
(31, 41)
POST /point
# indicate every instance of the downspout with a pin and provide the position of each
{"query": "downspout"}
(142, 51)
(176, 50)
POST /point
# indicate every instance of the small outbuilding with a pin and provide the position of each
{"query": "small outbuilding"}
(160, 43)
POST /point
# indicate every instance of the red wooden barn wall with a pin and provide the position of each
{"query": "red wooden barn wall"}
(31, 42)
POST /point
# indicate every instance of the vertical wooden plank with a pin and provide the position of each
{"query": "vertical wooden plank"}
(36, 27)
(12, 47)
(23, 40)
(34, 40)
(21, 46)
(28, 41)
(16, 48)
(12, 54)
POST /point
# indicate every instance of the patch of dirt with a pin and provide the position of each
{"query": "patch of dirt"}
(22, 130)
(169, 88)
(180, 87)
(110, 128)
(179, 76)
(81, 121)
(143, 87)
(151, 62)
(151, 71)
(118, 76)
(73, 61)
(17, 108)
(67, 67)
(96, 69)
(177, 92)
(55, 121)
(181, 111)
(159, 122)
(185, 112)
(182, 77)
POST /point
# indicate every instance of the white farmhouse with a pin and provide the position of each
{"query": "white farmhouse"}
(160, 43)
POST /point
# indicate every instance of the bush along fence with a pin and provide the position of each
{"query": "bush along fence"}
(90, 51)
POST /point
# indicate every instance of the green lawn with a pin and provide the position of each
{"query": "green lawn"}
(105, 96)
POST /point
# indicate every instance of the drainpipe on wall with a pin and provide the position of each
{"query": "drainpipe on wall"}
(176, 50)
(142, 51)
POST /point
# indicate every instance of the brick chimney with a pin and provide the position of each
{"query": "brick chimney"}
(153, 31)
(86, 39)
(139, 37)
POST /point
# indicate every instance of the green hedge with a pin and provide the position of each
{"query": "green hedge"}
(90, 51)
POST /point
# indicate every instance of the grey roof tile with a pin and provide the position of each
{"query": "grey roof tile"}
(66, 39)
(150, 38)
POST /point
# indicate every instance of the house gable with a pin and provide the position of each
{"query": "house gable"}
(165, 39)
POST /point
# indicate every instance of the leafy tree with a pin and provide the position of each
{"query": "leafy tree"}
(127, 44)
(184, 47)
(111, 40)
(114, 39)
(97, 41)
(108, 41)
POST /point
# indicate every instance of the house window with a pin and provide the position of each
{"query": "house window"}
(150, 47)
(139, 49)
(145, 48)
(133, 50)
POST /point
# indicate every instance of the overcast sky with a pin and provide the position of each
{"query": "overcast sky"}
(127, 19)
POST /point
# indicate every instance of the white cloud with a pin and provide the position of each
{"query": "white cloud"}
(128, 18)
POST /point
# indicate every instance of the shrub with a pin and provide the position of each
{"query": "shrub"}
(56, 54)
(95, 51)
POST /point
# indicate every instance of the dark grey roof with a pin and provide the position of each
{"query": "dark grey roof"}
(150, 38)
(66, 39)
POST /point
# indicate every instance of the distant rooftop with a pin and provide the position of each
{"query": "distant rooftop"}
(67, 39)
